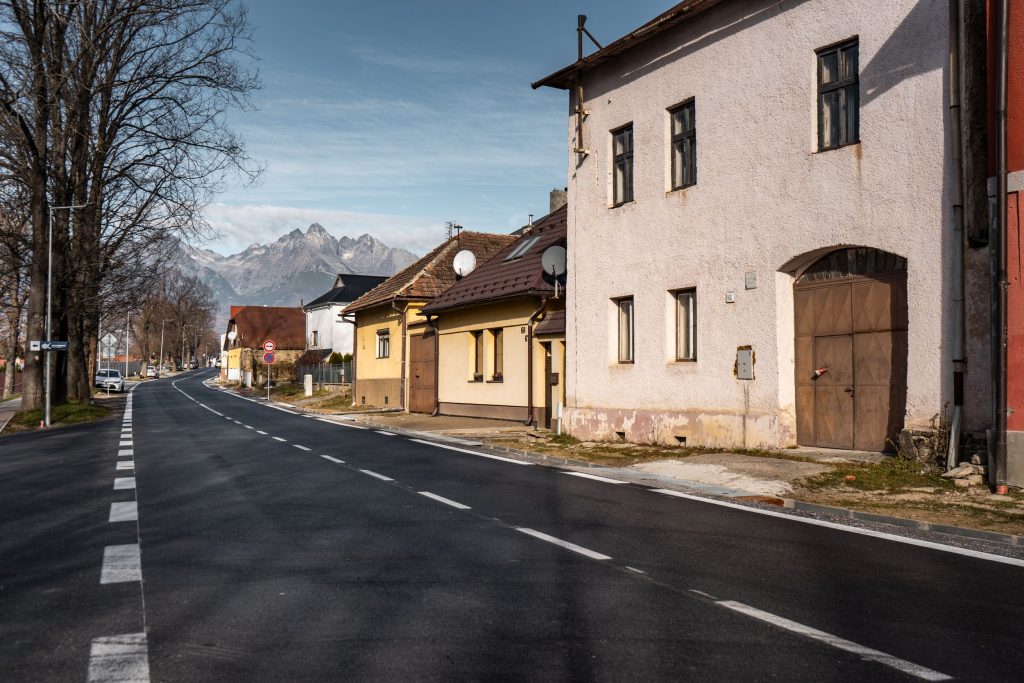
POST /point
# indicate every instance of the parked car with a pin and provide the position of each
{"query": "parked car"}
(109, 379)
(150, 371)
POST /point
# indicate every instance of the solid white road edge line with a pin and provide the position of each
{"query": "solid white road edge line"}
(463, 450)
(835, 641)
(119, 658)
(849, 529)
(384, 433)
(446, 501)
(283, 410)
(301, 448)
(565, 544)
(595, 477)
(122, 483)
(121, 563)
(339, 424)
(327, 457)
(124, 512)
(379, 476)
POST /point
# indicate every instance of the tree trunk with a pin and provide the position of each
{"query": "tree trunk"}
(14, 320)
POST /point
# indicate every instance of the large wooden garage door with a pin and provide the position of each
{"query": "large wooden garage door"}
(422, 376)
(851, 350)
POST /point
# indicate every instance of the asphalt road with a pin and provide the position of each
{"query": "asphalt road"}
(280, 547)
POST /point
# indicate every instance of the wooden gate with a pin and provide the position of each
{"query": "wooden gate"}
(422, 372)
(850, 311)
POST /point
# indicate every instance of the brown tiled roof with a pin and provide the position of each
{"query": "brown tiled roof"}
(256, 324)
(681, 12)
(501, 279)
(553, 323)
(432, 274)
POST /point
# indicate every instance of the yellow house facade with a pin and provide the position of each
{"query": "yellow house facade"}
(501, 334)
(395, 348)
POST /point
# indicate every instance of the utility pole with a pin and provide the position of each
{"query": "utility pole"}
(127, 331)
(49, 298)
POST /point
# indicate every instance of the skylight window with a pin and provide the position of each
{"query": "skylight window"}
(523, 247)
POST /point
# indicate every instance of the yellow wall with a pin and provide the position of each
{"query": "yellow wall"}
(234, 363)
(456, 355)
(368, 366)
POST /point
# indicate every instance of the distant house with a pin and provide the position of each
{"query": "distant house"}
(394, 350)
(501, 333)
(254, 325)
(326, 332)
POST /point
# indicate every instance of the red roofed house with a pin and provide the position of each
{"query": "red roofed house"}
(501, 333)
(394, 349)
(251, 327)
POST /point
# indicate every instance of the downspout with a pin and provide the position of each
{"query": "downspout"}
(959, 316)
(1001, 284)
(401, 383)
(355, 349)
(529, 360)
(437, 368)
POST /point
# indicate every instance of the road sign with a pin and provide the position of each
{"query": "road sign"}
(35, 345)
(54, 346)
(269, 346)
(268, 358)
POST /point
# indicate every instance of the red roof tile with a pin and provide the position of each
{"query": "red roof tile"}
(432, 274)
(501, 279)
(256, 324)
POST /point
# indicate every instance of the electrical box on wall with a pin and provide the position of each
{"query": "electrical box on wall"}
(745, 363)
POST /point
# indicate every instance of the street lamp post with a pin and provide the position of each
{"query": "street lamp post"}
(49, 296)
(160, 361)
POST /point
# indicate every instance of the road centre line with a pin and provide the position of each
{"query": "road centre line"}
(247, 426)
(595, 477)
(121, 563)
(564, 544)
(260, 431)
(119, 658)
(277, 438)
(301, 448)
(124, 512)
(849, 529)
(124, 483)
(866, 653)
(464, 450)
(327, 457)
(446, 501)
(378, 476)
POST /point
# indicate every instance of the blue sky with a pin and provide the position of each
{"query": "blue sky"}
(393, 117)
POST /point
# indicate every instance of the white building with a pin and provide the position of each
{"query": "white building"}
(760, 232)
(325, 330)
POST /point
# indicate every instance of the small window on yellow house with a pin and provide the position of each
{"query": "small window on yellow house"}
(383, 343)
(478, 356)
(499, 355)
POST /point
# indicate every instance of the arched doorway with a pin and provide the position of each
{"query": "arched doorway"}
(850, 310)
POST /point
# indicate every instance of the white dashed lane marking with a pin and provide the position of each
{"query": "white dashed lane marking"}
(564, 544)
(119, 658)
(301, 448)
(327, 457)
(124, 452)
(122, 483)
(121, 563)
(378, 476)
(126, 464)
(446, 501)
(277, 438)
(124, 512)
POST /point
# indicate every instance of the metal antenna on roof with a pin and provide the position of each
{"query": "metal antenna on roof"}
(454, 229)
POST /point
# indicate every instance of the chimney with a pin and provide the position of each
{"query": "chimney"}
(559, 198)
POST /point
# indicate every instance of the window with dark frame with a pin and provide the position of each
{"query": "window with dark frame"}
(478, 356)
(684, 145)
(838, 95)
(622, 163)
(499, 354)
(625, 327)
(686, 325)
(383, 343)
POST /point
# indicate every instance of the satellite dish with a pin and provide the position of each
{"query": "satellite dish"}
(464, 263)
(553, 261)
(231, 335)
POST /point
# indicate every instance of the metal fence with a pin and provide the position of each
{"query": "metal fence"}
(325, 374)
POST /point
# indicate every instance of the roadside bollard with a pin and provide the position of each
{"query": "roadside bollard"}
(307, 384)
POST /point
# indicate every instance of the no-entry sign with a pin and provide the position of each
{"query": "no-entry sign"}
(269, 346)
(268, 358)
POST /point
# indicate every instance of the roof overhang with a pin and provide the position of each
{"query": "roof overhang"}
(684, 11)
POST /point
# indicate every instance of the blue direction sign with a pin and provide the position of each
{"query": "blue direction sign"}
(54, 346)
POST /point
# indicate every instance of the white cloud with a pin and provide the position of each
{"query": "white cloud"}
(238, 226)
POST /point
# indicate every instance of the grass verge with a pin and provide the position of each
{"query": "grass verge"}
(60, 414)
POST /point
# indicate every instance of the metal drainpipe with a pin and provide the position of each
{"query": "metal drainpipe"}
(959, 331)
(401, 383)
(1001, 283)
(437, 366)
(355, 349)
(529, 360)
